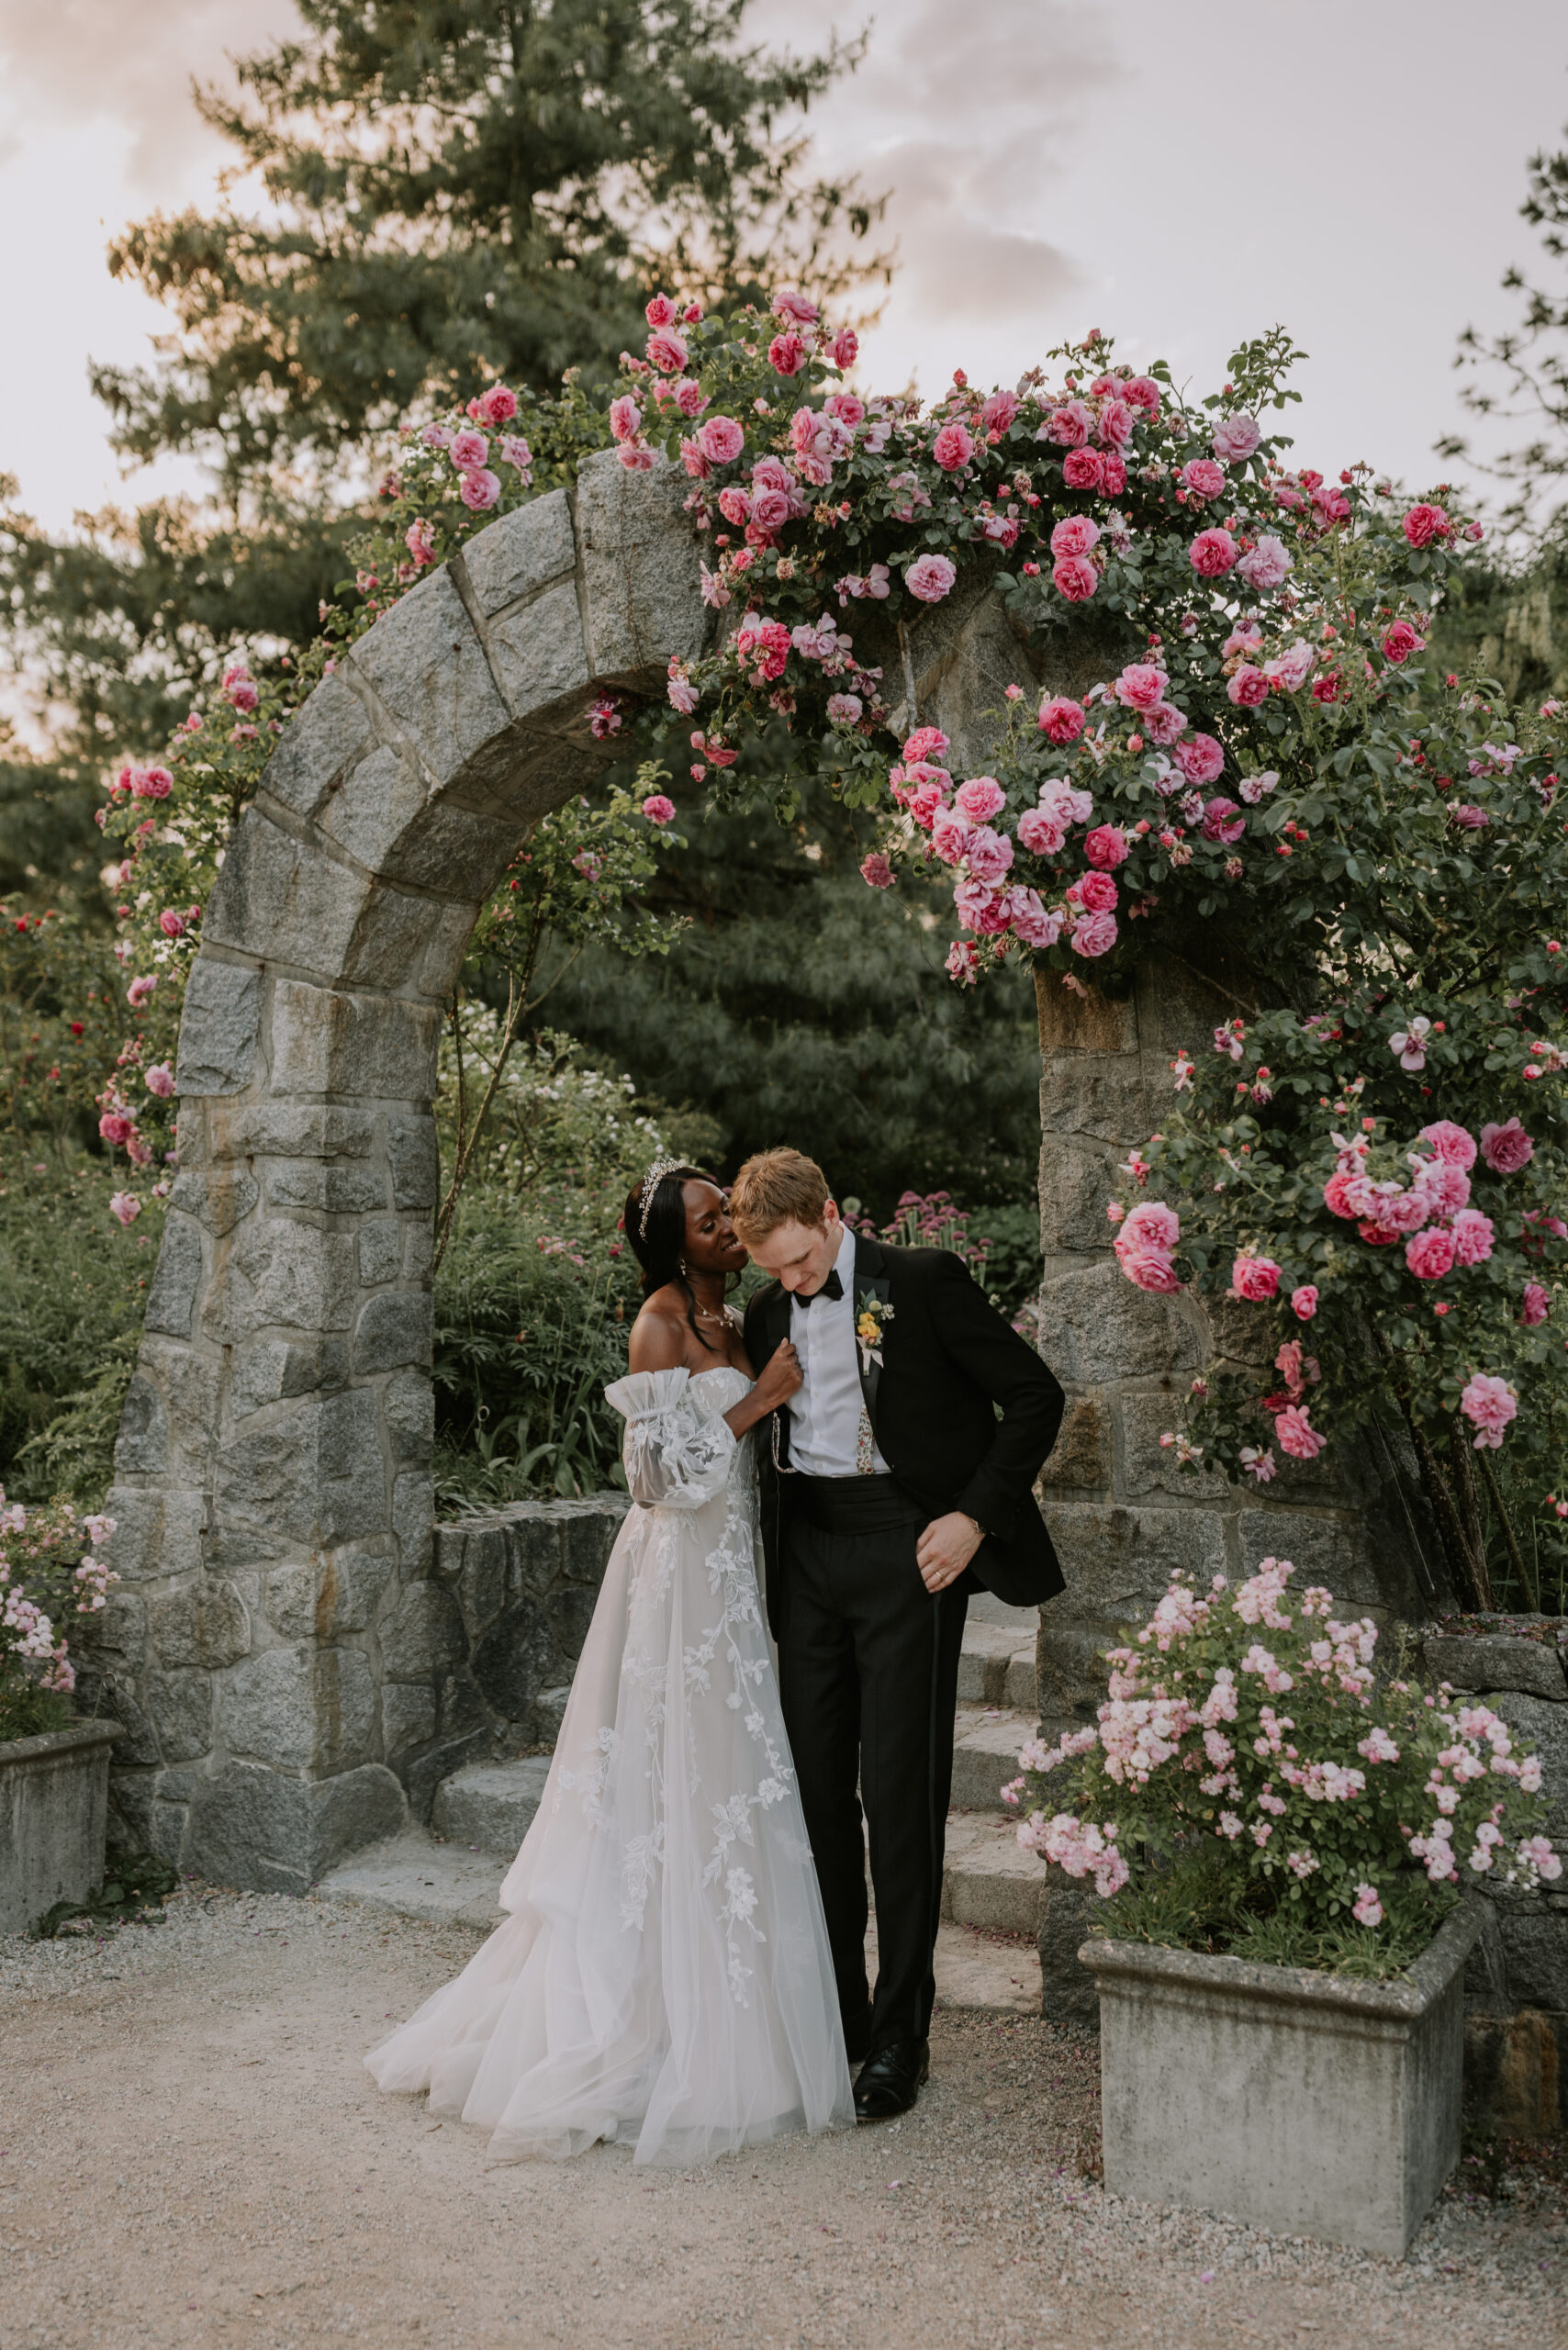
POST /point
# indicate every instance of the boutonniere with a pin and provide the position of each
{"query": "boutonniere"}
(871, 1315)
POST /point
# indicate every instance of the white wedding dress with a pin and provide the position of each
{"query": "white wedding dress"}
(663, 1977)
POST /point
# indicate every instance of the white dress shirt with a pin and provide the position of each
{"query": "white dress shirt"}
(824, 1412)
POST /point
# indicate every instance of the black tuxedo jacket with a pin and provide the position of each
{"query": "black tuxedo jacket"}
(948, 1357)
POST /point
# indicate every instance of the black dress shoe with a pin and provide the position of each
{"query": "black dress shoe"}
(891, 2080)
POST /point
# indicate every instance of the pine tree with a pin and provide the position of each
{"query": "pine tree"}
(456, 186)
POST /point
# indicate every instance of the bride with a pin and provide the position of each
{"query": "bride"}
(664, 1977)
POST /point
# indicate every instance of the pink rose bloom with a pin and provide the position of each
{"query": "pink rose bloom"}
(844, 710)
(721, 440)
(1335, 1197)
(923, 803)
(125, 1207)
(1114, 428)
(140, 991)
(1292, 668)
(241, 694)
(1256, 1279)
(696, 463)
(793, 308)
(1075, 578)
(1143, 393)
(1113, 475)
(1095, 892)
(1041, 833)
(953, 448)
(1424, 524)
(1212, 553)
(667, 353)
(1235, 438)
(1429, 1254)
(625, 416)
(1150, 1268)
(1106, 846)
(1074, 534)
(1399, 642)
(515, 453)
(1064, 802)
(1202, 477)
(116, 1129)
(1472, 1237)
(1489, 1403)
(981, 797)
(950, 835)
(1535, 1305)
(1297, 1434)
(1030, 923)
(876, 870)
(660, 311)
(1063, 720)
(171, 923)
(436, 436)
(1304, 1301)
(1141, 685)
(983, 908)
(1083, 469)
(844, 348)
(1442, 1189)
(468, 449)
(1507, 1149)
(496, 405)
(931, 578)
(689, 396)
(786, 355)
(683, 696)
(846, 408)
(769, 511)
(420, 539)
(1095, 935)
(635, 458)
(999, 411)
(1473, 819)
(990, 854)
(1223, 821)
(1153, 1226)
(1265, 566)
(1200, 760)
(159, 1079)
(1069, 425)
(658, 808)
(481, 489)
(734, 505)
(152, 783)
(1248, 687)
(925, 742)
(1164, 724)
(1451, 1143)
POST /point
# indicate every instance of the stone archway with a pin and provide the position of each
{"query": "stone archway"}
(279, 1650)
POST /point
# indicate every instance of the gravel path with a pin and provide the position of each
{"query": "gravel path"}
(192, 2153)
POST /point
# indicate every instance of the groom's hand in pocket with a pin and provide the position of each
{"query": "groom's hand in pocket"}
(945, 1548)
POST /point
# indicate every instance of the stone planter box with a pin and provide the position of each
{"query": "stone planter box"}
(54, 1794)
(1310, 2104)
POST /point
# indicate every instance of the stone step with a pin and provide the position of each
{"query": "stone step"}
(996, 1666)
(985, 1755)
(988, 1881)
(490, 1805)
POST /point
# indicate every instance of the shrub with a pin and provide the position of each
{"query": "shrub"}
(47, 1575)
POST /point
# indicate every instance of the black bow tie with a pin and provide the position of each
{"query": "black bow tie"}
(832, 1287)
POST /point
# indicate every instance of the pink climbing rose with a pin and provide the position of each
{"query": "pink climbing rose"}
(720, 439)
(1297, 1434)
(1507, 1149)
(1304, 1301)
(1254, 1278)
(1489, 1403)
(931, 578)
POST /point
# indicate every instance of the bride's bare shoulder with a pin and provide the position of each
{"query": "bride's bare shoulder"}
(660, 1339)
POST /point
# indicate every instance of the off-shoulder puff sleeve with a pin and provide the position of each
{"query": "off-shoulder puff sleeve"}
(674, 1458)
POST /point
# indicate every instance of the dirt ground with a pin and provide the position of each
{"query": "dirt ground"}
(192, 2153)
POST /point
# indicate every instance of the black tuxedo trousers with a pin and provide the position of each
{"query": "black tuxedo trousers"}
(869, 1676)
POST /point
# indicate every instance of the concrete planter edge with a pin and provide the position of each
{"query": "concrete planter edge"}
(53, 1815)
(1307, 2103)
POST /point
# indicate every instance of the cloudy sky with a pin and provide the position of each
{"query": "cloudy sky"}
(1179, 176)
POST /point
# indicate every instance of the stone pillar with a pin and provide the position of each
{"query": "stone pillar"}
(279, 1650)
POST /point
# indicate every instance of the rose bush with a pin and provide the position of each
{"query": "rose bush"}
(1246, 1752)
(47, 1576)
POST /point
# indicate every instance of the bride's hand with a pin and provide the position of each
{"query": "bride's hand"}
(781, 1377)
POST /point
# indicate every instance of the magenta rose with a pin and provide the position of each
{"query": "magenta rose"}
(1095, 893)
(1075, 578)
(981, 797)
(1211, 554)
(1429, 1254)
(1424, 524)
(1200, 758)
(1507, 1149)
(152, 783)
(1063, 720)
(722, 439)
(1106, 847)
(480, 489)
(1257, 1278)
(1399, 642)
(786, 355)
(1094, 934)
(1075, 534)
(1083, 469)
(923, 803)
(171, 923)
(931, 578)
(953, 448)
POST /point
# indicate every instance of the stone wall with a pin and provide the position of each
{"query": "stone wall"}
(370, 1686)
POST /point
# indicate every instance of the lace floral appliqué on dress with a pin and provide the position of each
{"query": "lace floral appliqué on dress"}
(663, 1977)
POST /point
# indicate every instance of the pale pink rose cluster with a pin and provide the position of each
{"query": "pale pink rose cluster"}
(1145, 1246)
(1081, 1847)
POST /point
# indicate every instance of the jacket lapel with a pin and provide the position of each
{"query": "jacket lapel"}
(774, 1330)
(870, 1282)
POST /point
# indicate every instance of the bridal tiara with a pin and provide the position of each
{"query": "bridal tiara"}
(651, 1182)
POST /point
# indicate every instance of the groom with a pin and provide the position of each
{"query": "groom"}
(897, 1479)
